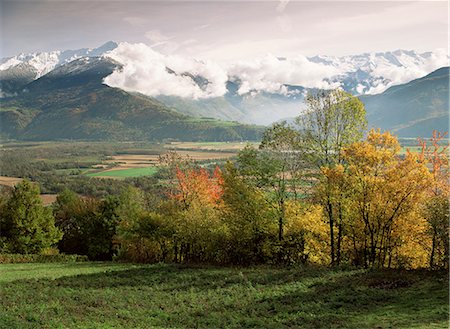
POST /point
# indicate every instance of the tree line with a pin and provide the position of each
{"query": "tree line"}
(323, 190)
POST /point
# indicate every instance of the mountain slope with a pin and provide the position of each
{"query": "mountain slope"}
(71, 102)
(17, 71)
(412, 109)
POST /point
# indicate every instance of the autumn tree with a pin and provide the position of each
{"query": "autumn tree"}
(306, 234)
(196, 194)
(436, 208)
(249, 228)
(332, 120)
(385, 192)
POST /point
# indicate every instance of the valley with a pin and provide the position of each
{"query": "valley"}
(56, 165)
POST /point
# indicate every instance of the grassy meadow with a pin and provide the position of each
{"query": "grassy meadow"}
(115, 295)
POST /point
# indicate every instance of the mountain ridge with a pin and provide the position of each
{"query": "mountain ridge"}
(73, 103)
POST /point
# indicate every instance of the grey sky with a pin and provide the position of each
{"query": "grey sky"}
(222, 30)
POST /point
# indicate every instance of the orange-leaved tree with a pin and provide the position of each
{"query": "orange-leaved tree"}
(197, 197)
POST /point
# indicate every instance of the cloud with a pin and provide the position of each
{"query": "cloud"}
(410, 68)
(282, 5)
(270, 73)
(152, 73)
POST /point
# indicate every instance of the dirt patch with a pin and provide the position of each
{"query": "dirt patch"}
(48, 199)
(10, 181)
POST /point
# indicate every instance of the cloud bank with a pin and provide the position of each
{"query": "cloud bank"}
(152, 73)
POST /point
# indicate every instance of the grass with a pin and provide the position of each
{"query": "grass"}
(108, 295)
(123, 173)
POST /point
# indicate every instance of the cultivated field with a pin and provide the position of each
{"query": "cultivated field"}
(116, 172)
(47, 199)
(214, 146)
(114, 295)
(9, 181)
(135, 165)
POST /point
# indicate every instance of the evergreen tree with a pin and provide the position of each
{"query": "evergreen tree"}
(26, 226)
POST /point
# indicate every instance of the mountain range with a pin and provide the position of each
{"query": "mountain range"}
(71, 102)
(412, 109)
(110, 92)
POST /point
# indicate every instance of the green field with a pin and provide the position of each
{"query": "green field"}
(412, 149)
(109, 295)
(123, 173)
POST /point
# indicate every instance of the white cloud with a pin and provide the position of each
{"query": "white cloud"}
(147, 71)
(411, 68)
(150, 72)
(282, 5)
(271, 73)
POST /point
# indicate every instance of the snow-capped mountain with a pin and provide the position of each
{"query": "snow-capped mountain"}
(373, 73)
(44, 62)
(260, 91)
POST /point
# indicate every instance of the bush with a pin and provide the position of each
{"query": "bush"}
(39, 258)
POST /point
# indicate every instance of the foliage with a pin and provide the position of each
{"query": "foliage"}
(26, 225)
(333, 120)
(436, 207)
(89, 225)
(248, 218)
(39, 258)
(379, 194)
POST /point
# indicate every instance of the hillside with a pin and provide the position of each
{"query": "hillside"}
(412, 109)
(71, 102)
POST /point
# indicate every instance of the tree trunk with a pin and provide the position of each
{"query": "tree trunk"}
(433, 248)
(338, 247)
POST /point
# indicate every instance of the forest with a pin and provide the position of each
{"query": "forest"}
(324, 190)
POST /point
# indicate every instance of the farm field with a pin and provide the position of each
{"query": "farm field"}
(117, 295)
(136, 165)
(217, 146)
(9, 181)
(102, 159)
(123, 173)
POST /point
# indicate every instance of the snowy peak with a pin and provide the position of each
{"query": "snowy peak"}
(147, 71)
(372, 73)
(47, 61)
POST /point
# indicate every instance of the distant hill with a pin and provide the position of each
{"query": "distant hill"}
(71, 102)
(412, 109)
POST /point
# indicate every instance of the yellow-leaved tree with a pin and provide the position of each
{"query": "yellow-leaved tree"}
(379, 194)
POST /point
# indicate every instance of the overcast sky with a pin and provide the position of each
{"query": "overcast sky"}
(224, 30)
